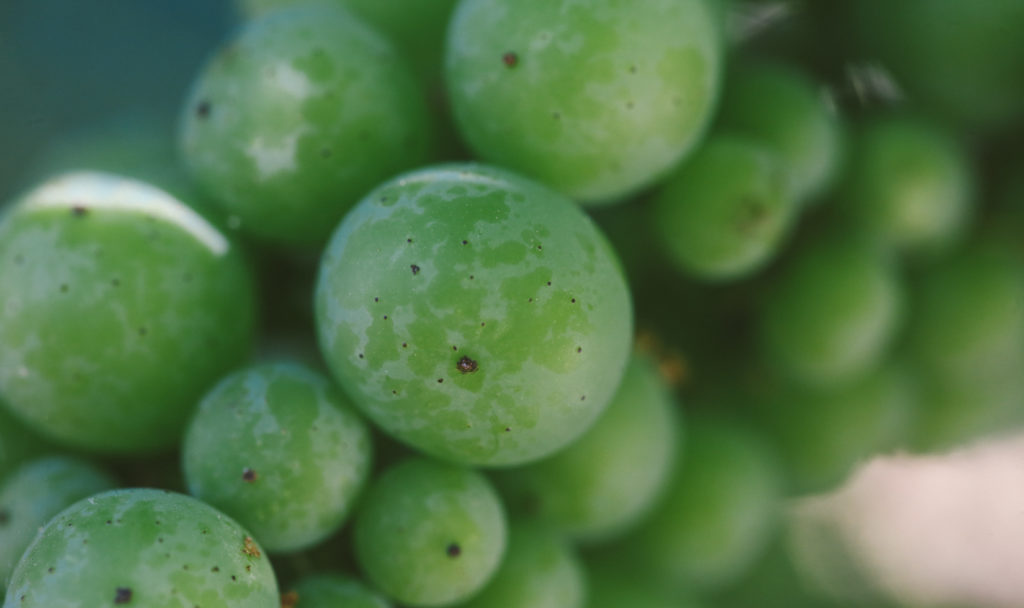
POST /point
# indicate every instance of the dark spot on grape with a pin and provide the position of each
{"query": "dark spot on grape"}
(123, 595)
(108, 522)
(290, 599)
(440, 380)
(510, 59)
(385, 317)
(408, 240)
(184, 567)
(482, 324)
(248, 568)
(383, 199)
(143, 331)
(394, 392)
(540, 248)
(234, 578)
(579, 349)
(360, 355)
(215, 569)
(5, 517)
(158, 522)
(51, 569)
(249, 476)
(573, 300)
(549, 283)
(326, 153)
(465, 242)
(376, 299)
(466, 365)
(79, 210)
(453, 550)
(556, 115)
(160, 539)
(63, 287)
(530, 300)
(455, 348)
(471, 277)
(583, 397)
(508, 429)
(115, 282)
(415, 269)
(203, 109)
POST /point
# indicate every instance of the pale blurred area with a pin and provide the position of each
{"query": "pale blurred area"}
(921, 531)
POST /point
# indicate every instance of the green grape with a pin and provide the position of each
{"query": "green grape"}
(34, 493)
(336, 591)
(909, 182)
(119, 305)
(822, 434)
(968, 313)
(961, 60)
(474, 314)
(833, 311)
(783, 109)
(540, 570)
(724, 213)
(430, 534)
(720, 510)
(278, 448)
(297, 117)
(142, 548)
(610, 477)
(18, 443)
(596, 100)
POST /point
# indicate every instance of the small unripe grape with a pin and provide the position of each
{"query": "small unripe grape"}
(610, 477)
(595, 100)
(910, 183)
(833, 311)
(474, 314)
(119, 305)
(782, 109)
(142, 548)
(430, 534)
(297, 117)
(540, 570)
(725, 212)
(278, 448)
(34, 493)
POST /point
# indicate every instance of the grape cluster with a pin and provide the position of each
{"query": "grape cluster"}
(508, 303)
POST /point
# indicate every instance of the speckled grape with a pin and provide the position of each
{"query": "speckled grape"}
(277, 447)
(34, 493)
(474, 314)
(595, 99)
(143, 548)
(118, 307)
(610, 477)
(430, 534)
(297, 117)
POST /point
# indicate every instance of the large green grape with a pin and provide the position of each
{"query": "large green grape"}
(540, 570)
(474, 314)
(299, 116)
(34, 493)
(719, 512)
(833, 311)
(278, 448)
(724, 213)
(335, 591)
(146, 548)
(910, 183)
(782, 109)
(430, 534)
(595, 99)
(119, 305)
(609, 478)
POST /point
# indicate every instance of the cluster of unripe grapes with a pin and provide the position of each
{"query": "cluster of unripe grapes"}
(509, 303)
